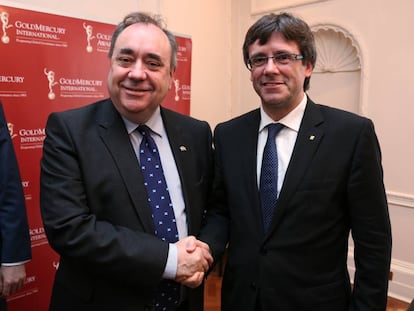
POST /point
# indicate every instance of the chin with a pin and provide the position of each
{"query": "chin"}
(133, 104)
(275, 100)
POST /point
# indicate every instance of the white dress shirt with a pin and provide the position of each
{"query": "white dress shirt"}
(171, 176)
(285, 140)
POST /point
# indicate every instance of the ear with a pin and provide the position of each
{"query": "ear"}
(308, 69)
(172, 71)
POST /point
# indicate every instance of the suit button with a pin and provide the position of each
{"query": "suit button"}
(253, 285)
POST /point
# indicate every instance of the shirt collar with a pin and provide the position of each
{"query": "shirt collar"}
(154, 123)
(292, 120)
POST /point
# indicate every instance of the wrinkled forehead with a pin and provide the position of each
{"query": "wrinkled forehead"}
(143, 37)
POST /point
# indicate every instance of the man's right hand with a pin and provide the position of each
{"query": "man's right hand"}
(194, 260)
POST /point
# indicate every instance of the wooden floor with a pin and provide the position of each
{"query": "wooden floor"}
(213, 286)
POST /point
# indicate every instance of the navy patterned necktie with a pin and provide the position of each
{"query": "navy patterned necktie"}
(168, 293)
(269, 175)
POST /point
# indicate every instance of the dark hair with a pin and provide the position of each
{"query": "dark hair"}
(292, 28)
(144, 18)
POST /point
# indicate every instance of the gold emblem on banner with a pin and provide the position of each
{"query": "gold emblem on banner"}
(89, 37)
(4, 16)
(177, 88)
(51, 78)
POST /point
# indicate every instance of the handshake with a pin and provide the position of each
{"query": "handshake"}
(194, 260)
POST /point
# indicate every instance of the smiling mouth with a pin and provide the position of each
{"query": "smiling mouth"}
(270, 83)
(136, 89)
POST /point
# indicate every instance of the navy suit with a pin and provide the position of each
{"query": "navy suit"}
(333, 186)
(95, 210)
(15, 244)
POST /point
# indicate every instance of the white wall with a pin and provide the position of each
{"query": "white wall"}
(221, 88)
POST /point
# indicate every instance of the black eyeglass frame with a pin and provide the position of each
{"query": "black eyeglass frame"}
(279, 59)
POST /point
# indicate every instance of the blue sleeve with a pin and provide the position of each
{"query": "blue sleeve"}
(14, 230)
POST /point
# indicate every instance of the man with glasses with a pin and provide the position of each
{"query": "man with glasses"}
(284, 206)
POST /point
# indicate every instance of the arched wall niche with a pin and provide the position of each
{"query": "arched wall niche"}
(336, 79)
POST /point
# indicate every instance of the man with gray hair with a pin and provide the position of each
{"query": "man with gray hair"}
(124, 185)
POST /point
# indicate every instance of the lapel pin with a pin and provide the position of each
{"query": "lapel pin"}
(183, 148)
(312, 137)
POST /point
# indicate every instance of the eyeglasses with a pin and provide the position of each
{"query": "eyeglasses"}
(279, 59)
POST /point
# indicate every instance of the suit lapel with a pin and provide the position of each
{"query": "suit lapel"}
(114, 135)
(250, 138)
(246, 135)
(309, 136)
(181, 147)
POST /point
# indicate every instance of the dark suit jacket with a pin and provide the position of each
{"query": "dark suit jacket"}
(14, 231)
(95, 211)
(333, 185)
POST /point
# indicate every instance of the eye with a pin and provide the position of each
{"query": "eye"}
(258, 61)
(124, 61)
(283, 58)
(153, 64)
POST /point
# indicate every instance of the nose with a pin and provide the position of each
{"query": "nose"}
(270, 66)
(137, 71)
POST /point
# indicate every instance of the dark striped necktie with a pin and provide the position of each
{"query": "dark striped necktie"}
(269, 175)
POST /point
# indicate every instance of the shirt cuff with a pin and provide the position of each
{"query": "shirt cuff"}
(11, 264)
(172, 260)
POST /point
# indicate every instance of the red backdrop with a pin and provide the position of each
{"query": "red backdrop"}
(52, 63)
